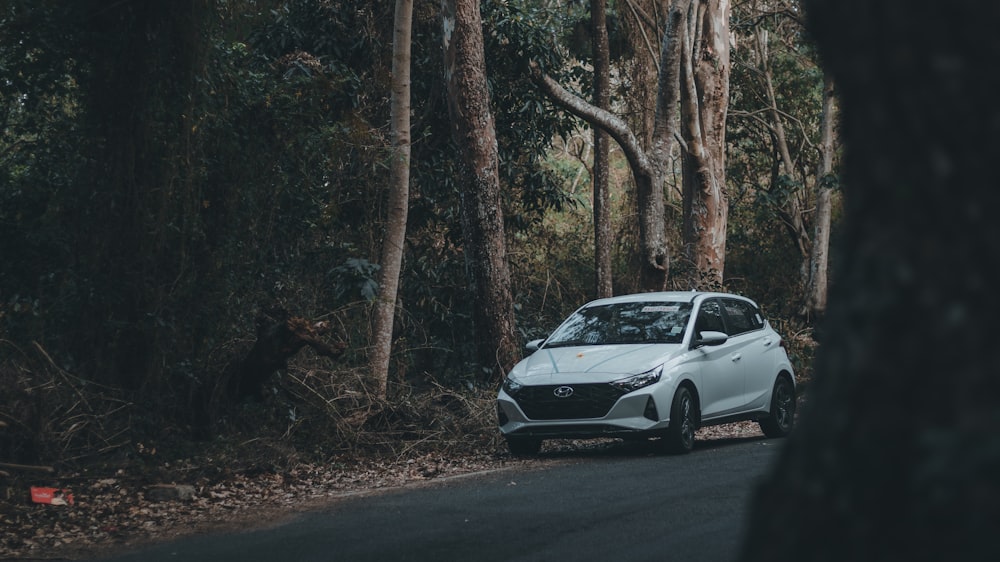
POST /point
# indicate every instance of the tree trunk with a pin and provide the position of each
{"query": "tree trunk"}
(399, 195)
(482, 215)
(897, 456)
(602, 199)
(704, 105)
(816, 288)
(142, 58)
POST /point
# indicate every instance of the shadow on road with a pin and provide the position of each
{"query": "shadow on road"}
(596, 448)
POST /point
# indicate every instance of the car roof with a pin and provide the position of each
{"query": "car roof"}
(663, 296)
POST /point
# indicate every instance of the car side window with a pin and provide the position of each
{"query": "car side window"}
(710, 318)
(742, 316)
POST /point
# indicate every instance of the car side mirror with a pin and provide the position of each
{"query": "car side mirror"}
(533, 345)
(709, 338)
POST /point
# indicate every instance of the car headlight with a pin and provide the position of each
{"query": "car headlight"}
(635, 382)
(511, 386)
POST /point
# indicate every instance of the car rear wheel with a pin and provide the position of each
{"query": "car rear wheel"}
(782, 417)
(683, 422)
(524, 446)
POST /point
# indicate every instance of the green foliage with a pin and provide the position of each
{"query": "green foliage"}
(761, 260)
(524, 120)
(356, 274)
(761, 254)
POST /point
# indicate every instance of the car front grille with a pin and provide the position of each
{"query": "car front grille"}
(587, 401)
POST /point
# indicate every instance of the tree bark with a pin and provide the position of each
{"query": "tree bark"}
(602, 199)
(897, 456)
(474, 133)
(704, 105)
(816, 288)
(399, 195)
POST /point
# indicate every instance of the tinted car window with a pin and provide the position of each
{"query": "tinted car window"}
(742, 316)
(710, 317)
(628, 322)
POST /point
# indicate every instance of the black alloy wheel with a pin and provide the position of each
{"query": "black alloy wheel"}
(782, 418)
(680, 434)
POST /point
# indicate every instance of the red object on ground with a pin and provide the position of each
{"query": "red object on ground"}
(54, 496)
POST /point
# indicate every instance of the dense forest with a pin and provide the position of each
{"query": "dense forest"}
(195, 197)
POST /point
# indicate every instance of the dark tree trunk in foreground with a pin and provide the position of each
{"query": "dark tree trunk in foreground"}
(136, 224)
(474, 131)
(898, 454)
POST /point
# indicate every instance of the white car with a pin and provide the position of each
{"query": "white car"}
(650, 365)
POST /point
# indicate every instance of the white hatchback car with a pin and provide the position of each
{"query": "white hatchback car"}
(650, 365)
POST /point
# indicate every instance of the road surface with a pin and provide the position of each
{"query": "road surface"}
(619, 504)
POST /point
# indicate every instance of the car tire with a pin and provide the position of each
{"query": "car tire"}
(524, 446)
(780, 421)
(683, 423)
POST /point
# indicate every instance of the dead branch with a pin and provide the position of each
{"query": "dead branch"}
(279, 337)
(28, 467)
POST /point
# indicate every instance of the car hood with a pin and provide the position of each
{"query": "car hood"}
(592, 363)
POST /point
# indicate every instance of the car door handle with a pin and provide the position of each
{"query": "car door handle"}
(767, 342)
(736, 357)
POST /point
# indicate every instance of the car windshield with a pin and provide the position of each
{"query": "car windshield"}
(624, 322)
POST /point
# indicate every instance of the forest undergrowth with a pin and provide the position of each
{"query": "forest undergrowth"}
(142, 471)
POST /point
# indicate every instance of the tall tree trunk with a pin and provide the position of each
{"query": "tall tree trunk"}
(138, 221)
(399, 195)
(816, 288)
(602, 142)
(704, 105)
(474, 132)
(897, 456)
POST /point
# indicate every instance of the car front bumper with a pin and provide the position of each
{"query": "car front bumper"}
(634, 415)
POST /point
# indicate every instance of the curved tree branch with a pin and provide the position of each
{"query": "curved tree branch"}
(595, 116)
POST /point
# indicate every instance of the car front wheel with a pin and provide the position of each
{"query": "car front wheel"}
(782, 417)
(683, 422)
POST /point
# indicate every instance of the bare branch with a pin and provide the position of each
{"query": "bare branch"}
(595, 116)
(28, 467)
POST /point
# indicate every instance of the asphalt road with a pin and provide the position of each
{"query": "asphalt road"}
(622, 504)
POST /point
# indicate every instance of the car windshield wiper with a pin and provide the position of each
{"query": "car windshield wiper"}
(567, 343)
